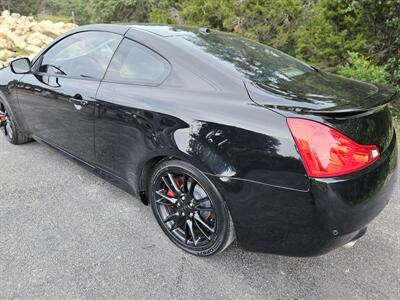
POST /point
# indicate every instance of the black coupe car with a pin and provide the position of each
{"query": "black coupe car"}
(224, 137)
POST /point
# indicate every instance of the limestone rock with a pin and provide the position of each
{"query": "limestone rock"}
(19, 41)
(21, 33)
(4, 54)
(5, 14)
(38, 39)
(6, 44)
(32, 49)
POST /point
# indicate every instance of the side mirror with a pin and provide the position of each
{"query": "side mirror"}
(21, 66)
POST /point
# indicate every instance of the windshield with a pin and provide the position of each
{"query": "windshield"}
(259, 63)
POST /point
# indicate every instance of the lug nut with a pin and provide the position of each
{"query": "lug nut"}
(191, 214)
(183, 213)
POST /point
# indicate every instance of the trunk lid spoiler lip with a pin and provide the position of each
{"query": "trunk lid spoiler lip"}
(282, 104)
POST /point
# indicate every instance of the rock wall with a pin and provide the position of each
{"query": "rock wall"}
(23, 36)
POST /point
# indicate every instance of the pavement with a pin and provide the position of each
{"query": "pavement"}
(66, 234)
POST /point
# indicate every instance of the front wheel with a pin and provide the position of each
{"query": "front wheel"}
(189, 209)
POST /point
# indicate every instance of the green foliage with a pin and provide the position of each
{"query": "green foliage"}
(23, 7)
(381, 22)
(21, 52)
(332, 30)
(360, 68)
(67, 7)
(55, 19)
(166, 11)
(269, 21)
(209, 13)
(273, 22)
(109, 11)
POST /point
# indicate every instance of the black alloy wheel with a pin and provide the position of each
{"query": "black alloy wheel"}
(189, 209)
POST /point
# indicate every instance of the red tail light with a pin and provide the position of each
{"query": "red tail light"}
(328, 153)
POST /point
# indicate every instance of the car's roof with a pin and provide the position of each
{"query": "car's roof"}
(157, 29)
(164, 30)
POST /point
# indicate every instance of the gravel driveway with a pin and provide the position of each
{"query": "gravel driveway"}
(65, 233)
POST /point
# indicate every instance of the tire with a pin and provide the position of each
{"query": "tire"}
(192, 212)
(11, 131)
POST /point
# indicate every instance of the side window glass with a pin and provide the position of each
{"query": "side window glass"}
(84, 54)
(136, 64)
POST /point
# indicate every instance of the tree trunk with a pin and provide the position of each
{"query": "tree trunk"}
(42, 8)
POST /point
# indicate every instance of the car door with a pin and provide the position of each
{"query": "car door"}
(57, 99)
(125, 124)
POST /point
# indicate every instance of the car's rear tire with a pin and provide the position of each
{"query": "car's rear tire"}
(190, 210)
(10, 129)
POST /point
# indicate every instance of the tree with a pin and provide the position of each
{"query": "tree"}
(167, 12)
(360, 68)
(333, 29)
(109, 11)
(217, 14)
(81, 9)
(273, 22)
(381, 22)
(24, 7)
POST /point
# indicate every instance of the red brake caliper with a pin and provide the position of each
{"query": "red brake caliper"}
(171, 193)
(3, 118)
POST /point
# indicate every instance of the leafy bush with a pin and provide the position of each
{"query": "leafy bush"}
(360, 68)
(380, 21)
(209, 13)
(271, 22)
(166, 11)
(331, 29)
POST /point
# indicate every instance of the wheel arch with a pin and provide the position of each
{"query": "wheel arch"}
(148, 164)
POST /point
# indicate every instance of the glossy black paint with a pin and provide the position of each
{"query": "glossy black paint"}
(233, 130)
(52, 110)
(332, 213)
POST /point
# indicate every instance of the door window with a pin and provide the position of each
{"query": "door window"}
(137, 64)
(81, 55)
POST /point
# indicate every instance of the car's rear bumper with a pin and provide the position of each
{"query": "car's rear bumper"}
(332, 213)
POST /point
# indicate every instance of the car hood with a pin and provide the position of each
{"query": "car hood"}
(319, 92)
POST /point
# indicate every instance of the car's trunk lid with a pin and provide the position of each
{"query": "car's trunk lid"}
(357, 109)
(319, 92)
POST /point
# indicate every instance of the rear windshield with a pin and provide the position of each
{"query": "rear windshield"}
(259, 63)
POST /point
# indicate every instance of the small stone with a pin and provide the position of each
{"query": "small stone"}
(4, 54)
(5, 14)
(32, 49)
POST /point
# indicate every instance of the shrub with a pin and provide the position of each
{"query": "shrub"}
(360, 68)
(332, 28)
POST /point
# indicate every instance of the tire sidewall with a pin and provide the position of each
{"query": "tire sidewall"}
(14, 133)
